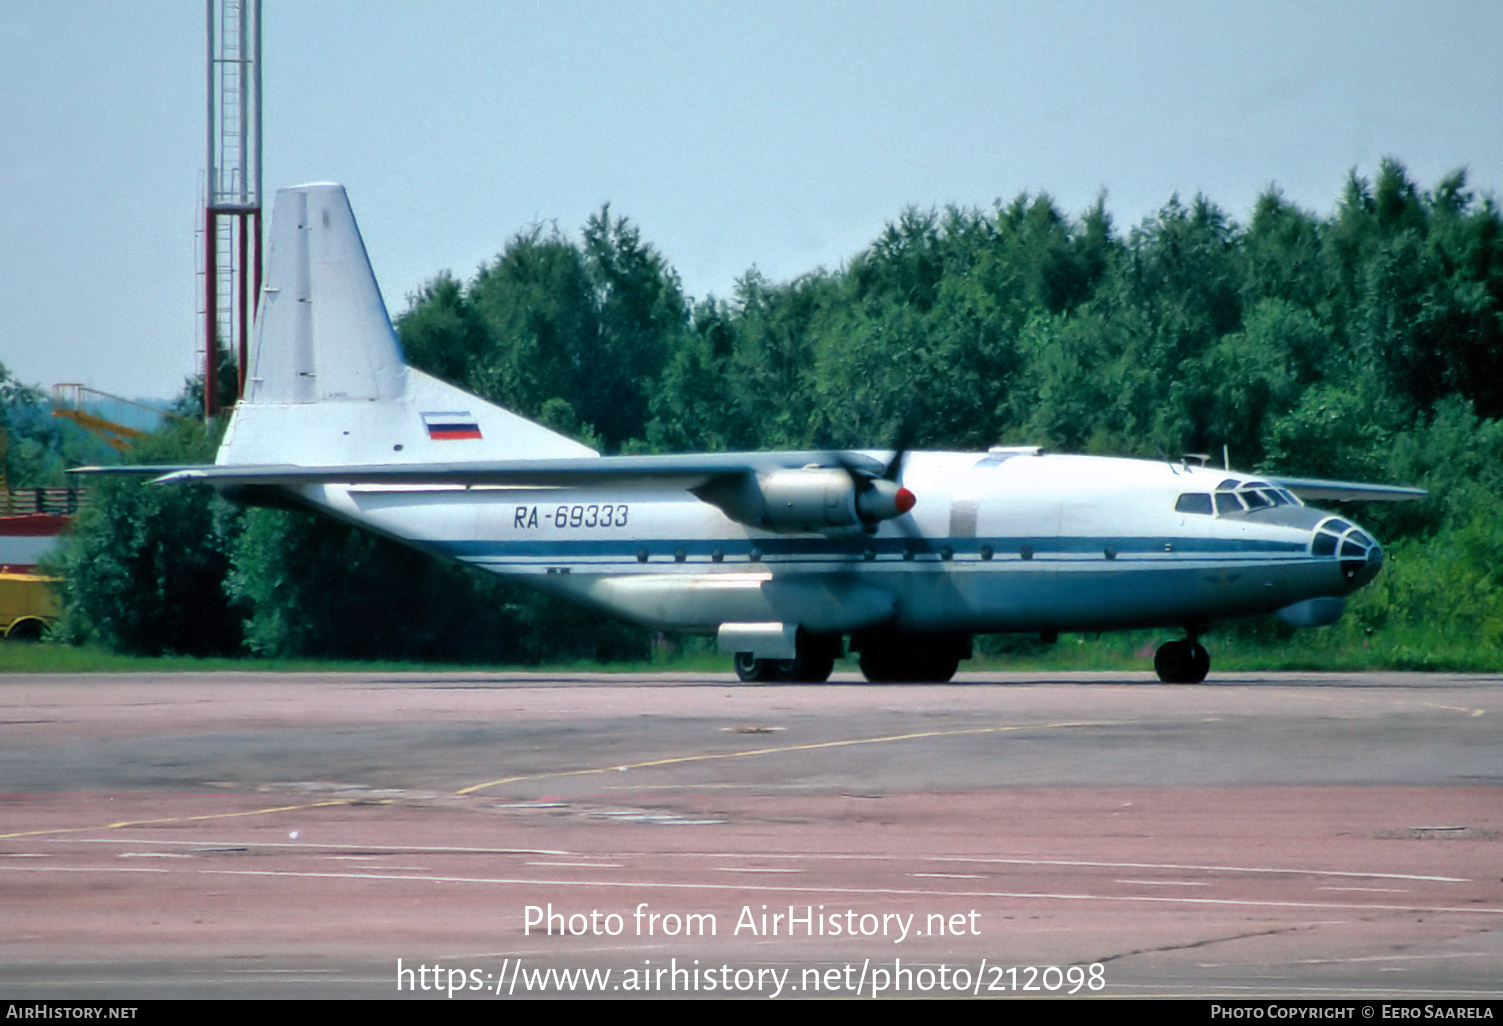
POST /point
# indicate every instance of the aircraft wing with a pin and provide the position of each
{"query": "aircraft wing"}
(1347, 491)
(686, 471)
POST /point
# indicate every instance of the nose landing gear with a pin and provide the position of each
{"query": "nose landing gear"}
(1182, 662)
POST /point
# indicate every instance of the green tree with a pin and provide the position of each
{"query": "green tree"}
(695, 407)
(35, 447)
(640, 318)
(582, 332)
(144, 566)
(1330, 432)
(441, 332)
(1284, 254)
(21, 452)
(535, 304)
(1231, 394)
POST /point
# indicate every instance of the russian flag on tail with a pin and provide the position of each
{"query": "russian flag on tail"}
(451, 425)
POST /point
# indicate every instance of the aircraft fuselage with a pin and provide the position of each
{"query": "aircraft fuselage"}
(998, 542)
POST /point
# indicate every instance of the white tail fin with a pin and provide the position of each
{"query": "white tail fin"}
(327, 384)
(322, 332)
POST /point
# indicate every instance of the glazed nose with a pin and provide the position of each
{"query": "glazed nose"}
(1361, 559)
(1364, 570)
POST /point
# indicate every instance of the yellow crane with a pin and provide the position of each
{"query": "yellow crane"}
(74, 401)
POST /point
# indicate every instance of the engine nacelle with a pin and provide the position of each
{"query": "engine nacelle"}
(813, 499)
(808, 499)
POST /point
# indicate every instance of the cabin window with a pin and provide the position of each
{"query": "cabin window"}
(1194, 502)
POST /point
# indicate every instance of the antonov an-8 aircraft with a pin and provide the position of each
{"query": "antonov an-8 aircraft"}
(781, 555)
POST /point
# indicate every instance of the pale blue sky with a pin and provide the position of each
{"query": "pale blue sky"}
(780, 135)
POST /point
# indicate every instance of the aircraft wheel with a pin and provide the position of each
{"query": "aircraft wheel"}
(751, 669)
(819, 670)
(908, 666)
(813, 663)
(1171, 661)
(882, 667)
(1182, 662)
(1200, 662)
(937, 669)
(888, 666)
(804, 669)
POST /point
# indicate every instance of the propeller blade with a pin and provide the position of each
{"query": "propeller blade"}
(885, 498)
(907, 434)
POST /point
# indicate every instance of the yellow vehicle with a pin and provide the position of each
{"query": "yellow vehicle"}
(27, 605)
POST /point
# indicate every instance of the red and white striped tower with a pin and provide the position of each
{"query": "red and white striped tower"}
(232, 201)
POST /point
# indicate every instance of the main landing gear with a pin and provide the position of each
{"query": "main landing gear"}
(912, 659)
(1182, 662)
(892, 666)
(812, 664)
(885, 659)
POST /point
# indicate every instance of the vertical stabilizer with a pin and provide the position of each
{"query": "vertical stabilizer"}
(327, 385)
(322, 333)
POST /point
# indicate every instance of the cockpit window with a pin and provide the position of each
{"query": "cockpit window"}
(1323, 545)
(1194, 502)
(1232, 496)
(1227, 502)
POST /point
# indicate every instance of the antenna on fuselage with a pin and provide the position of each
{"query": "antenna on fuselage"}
(1226, 457)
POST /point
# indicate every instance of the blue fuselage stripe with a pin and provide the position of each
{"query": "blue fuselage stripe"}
(803, 549)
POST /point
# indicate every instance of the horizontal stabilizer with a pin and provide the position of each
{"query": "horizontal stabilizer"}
(153, 470)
